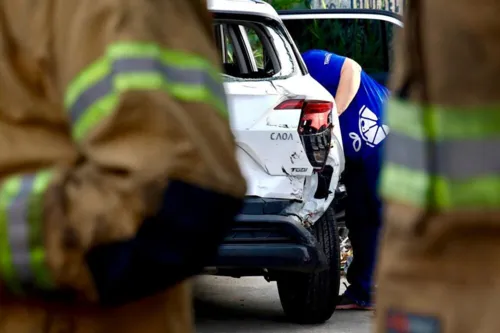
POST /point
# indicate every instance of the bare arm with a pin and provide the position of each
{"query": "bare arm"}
(350, 80)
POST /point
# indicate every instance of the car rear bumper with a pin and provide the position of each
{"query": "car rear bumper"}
(273, 257)
(269, 241)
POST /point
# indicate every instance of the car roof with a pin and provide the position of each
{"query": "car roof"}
(341, 13)
(253, 7)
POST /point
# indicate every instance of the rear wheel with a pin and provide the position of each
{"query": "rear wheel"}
(312, 298)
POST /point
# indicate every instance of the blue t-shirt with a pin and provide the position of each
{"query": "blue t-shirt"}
(361, 123)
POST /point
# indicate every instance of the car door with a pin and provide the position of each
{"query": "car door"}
(361, 34)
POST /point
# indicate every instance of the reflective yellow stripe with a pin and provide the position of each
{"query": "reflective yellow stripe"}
(442, 157)
(126, 66)
(8, 275)
(22, 252)
(412, 186)
(444, 123)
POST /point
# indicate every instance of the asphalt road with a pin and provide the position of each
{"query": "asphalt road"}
(226, 305)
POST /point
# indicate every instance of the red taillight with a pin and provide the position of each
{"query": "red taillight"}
(318, 107)
(290, 104)
(316, 116)
(314, 128)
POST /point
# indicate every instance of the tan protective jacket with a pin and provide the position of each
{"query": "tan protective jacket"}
(101, 102)
(438, 263)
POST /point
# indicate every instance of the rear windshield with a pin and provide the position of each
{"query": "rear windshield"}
(255, 50)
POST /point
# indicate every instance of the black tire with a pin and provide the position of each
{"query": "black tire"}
(312, 298)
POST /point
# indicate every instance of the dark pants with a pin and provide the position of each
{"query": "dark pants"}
(169, 247)
(363, 219)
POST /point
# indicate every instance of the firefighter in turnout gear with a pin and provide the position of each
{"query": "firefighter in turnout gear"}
(438, 269)
(118, 174)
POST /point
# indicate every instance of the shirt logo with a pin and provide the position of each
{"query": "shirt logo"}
(370, 130)
(327, 59)
(369, 127)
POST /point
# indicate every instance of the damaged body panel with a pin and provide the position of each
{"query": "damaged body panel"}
(290, 151)
(312, 207)
(271, 153)
(287, 134)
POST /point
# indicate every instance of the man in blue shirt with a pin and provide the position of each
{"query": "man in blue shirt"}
(359, 99)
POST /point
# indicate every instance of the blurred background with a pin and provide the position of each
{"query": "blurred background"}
(390, 5)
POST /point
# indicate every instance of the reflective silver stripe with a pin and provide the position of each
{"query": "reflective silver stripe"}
(89, 96)
(172, 75)
(457, 159)
(18, 230)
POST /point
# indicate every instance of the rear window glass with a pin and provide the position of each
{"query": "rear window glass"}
(255, 51)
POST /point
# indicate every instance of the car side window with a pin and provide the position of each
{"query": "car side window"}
(258, 51)
(229, 50)
(254, 50)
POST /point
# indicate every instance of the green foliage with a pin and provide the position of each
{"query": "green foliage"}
(255, 44)
(257, 47)
(229, 50)
(360, 40)
(290, 4)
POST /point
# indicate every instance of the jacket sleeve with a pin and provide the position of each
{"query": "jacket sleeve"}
(142, 91)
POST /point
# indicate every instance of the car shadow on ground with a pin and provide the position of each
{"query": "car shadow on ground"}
(238, 309)
(239, 305)
(248, 305)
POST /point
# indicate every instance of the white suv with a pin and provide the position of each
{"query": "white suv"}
(290, 151)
